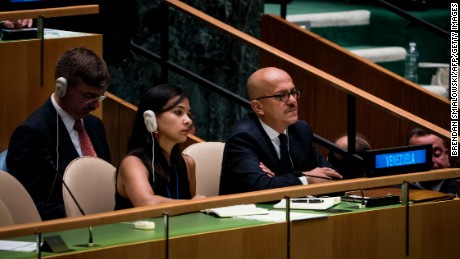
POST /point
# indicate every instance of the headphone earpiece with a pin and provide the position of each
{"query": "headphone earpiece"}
(61, 87)
(150, 121)
(151, 124)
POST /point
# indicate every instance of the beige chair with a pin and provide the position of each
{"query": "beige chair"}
(92, 182)
(208, 160)
(5, 217)
(17, 200)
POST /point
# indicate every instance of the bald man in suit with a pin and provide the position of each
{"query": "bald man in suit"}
(253, 157)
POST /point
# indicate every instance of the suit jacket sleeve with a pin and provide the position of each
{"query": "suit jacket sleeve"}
(26, 158)
(26, 162)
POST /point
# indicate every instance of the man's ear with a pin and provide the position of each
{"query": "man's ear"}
(257, 107)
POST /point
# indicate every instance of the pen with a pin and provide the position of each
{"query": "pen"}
(309, 200)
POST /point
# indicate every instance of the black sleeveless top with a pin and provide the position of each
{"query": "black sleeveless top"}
(178, 186)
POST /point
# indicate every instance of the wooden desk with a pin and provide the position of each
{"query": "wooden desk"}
(20, 90)
(378, 233)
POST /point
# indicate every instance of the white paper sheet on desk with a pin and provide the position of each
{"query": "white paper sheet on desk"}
(236, 210)
(53, 33)
(21, 246)
(280, 216)
(302, 204)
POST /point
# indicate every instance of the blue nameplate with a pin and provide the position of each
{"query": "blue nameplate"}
(398, 160)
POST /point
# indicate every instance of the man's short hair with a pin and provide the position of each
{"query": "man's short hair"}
(82, 65)
(419, 132)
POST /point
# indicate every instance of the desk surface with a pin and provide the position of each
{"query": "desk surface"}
(188, 226)
(181, 207)
(431, 232)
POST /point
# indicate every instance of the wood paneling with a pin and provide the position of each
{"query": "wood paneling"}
(20, 90)
(324, 107)
(316, 82)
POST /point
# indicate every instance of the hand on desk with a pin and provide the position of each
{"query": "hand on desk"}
(317, 175)
(266, 170)
(16, 24)
(321, 174)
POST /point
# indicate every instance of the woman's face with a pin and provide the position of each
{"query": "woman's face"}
(174, 124)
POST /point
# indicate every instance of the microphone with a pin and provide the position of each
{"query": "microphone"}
(51, 163)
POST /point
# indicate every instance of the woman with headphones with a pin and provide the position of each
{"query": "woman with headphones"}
(155, 170)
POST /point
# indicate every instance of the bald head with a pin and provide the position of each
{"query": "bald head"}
(361, 143)
(266, 84)
(265, 80)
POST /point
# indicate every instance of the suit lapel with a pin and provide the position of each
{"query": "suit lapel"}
(266, 146)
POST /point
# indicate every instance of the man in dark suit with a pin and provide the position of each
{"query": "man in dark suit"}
(48, 139)
(256, 157)
(439, 158)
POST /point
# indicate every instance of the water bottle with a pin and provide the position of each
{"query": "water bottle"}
(412, 63)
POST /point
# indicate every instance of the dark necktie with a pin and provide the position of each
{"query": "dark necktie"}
(85, 143)
(284, 153)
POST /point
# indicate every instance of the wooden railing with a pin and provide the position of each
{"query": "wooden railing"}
(50, 12)
(308, 71)
(384, 113)
(180, 207)
(325, 107)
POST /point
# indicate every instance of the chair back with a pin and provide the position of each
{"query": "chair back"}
(17, 200)
(208, 160)
(5, 217)
(91, 180)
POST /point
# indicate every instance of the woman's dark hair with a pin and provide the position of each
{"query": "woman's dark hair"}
(155, 100)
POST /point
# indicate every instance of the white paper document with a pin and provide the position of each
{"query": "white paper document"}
(53, 33)
(236, 210)
(18, 246)
(280, 216)
(309, 203)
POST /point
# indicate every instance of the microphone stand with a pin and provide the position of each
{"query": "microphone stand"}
(50, 161)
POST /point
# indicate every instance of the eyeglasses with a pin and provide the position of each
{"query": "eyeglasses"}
(96, 99)
(284, 97)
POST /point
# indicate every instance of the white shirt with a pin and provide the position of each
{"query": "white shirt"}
(69, 122)
(274, 137)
